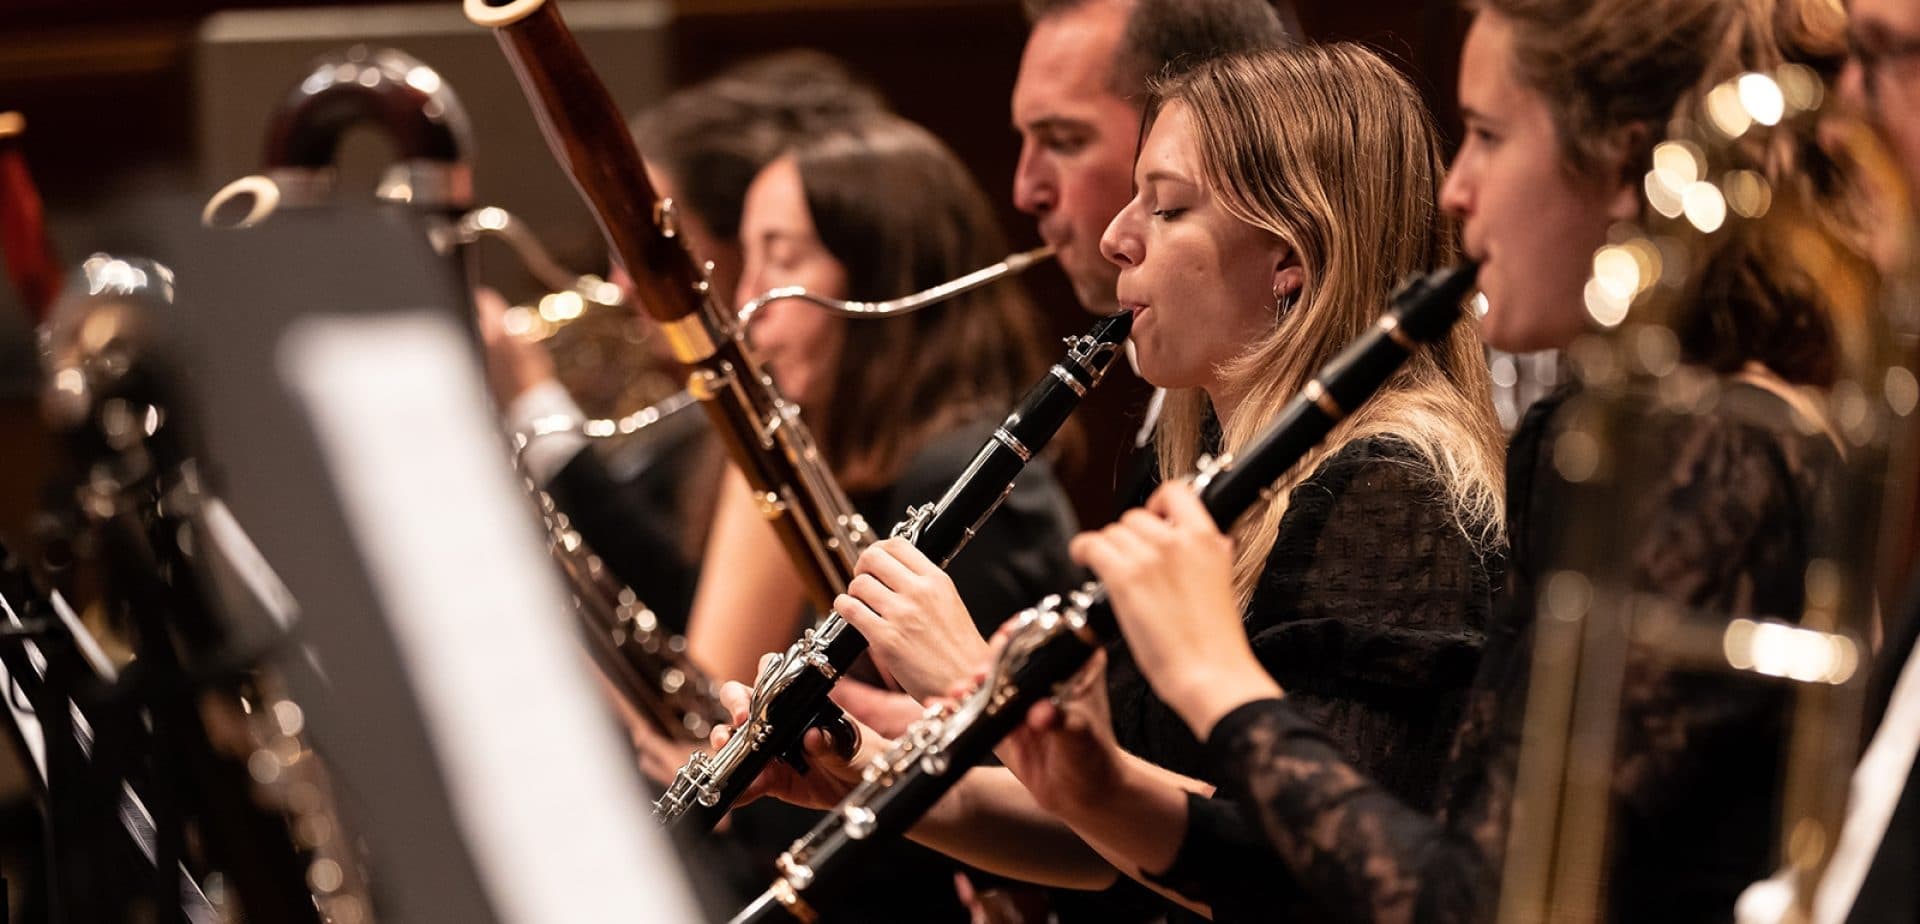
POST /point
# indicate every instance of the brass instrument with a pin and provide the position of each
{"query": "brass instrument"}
(575, 300)
(645, 663)
(410, 103)
(229, 741)
(1013, 265)
(1713, 196)
(763, 431)
(584, 323)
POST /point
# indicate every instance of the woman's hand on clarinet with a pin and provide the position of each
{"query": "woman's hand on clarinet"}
(829, 776)
(1065, 753)
(882, 710)
(1168, 571)
(911, 615)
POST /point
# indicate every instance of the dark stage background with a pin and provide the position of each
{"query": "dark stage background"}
(130, 96)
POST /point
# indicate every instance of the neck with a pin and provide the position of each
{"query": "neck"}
(1224, 405)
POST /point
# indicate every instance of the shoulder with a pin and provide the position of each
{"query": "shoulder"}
(941, 462)
(1748, 448)
(1381, 464)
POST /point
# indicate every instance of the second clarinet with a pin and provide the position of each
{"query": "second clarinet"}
(791, 695)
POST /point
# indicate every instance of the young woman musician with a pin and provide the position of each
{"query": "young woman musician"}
(1564, 100)
(899, 406)
(1280, 197)
(646, 508)
(871, 210)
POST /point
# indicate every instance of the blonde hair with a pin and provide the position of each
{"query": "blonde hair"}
(1329, 149)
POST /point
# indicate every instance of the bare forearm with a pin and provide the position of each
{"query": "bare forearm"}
(991, 822)
(1137, 827)
(750, 601)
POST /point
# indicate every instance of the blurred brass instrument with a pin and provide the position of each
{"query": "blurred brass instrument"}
(1759, 171)
(585, 323)
(405, 98)
(1013, 265)
(227, 745)
(645, 663)
(420, 113)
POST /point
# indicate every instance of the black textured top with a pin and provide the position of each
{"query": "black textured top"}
(1721, 529)
(1369, 613)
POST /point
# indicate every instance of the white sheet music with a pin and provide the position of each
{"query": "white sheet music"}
(547, 797)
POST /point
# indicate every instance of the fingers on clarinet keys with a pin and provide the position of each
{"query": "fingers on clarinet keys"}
(842, 737)
(842, 734)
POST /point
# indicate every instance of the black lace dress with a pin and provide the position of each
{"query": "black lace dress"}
(1725, 525)
(1370, 613)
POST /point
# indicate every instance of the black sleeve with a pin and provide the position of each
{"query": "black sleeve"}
(1696, 761)
(1370, 614)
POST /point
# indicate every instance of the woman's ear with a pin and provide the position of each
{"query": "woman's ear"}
(1622, 168)
(1289, 276)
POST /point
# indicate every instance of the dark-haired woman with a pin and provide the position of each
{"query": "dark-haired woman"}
(898, 406)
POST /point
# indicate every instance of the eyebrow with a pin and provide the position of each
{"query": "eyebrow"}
(777, 235)
(1165, 176)
(1053, 122)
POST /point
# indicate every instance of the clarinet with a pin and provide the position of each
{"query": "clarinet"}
(790, 695)
(1055, 638)
(762, 430)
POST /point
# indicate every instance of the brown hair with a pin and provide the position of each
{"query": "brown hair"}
(1603, 65)
(1608, 67)
(713, 137)
(1164, 37)
(900, 213)
(1331, 150)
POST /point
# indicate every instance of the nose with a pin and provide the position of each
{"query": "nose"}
(1121, 243)
(1853, 84)
(1034, 190)
(1456, 194)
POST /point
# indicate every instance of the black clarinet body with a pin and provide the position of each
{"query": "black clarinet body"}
(791, 695)
(1055, 638)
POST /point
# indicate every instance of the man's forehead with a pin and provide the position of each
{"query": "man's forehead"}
(1068, 62)
(1899, 15)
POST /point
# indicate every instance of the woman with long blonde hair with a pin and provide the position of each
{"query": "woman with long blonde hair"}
(1281, 197)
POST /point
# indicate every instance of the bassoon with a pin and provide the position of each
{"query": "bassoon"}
(761, 429)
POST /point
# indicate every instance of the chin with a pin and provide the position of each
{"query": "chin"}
(1511, 331)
